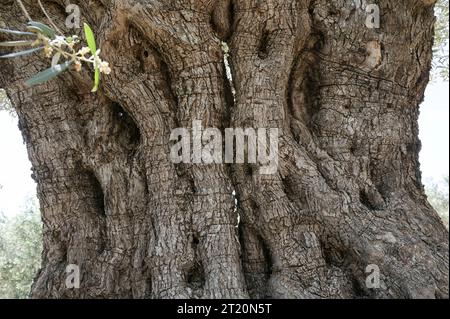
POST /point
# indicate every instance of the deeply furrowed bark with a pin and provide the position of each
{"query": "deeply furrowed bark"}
(347, 193)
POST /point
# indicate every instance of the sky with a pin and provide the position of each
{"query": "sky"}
(16, 185)
(434, 131)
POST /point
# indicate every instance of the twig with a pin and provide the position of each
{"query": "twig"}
(25, 12)
(49, 19)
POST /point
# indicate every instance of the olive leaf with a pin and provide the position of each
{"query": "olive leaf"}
(41, 28)
(16, 43)
(90, 38)
(96, 80)
(15, 32)
(48, 74)
(21, 53)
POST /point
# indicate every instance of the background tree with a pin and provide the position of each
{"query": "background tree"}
(5, 105)
(441, 44)
(437, 192)
(20, 251)
(348, 191)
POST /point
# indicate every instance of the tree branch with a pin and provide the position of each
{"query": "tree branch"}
(25, 12)
(49, 19)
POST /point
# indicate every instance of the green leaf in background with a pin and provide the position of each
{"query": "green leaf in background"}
(20, 251)
(96, 80)
(16, 43)
(21, 53)
(90, 38)
(42, 28)
(14, 32)
(48, 74)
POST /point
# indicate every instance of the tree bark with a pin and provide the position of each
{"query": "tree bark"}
(347, 194)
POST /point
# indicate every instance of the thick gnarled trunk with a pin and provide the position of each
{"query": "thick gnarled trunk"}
(347, 193)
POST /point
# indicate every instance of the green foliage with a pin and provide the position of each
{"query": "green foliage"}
(20, 252)
(16, 43)
(41, 28)
(20, 53)
(5, 104)
(441, 41)
(41, 37)
(48, 74)
(438, 196)
(90, 38)
(14, 32)
(96, 79)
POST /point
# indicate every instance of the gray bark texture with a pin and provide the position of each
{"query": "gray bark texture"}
(348, 191)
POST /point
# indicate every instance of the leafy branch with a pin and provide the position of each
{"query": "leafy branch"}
(441, 41)
(41, 37)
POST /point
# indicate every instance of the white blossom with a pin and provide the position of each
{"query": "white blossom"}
(104, 67)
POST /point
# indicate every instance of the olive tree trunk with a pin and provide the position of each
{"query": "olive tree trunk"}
(346, 198)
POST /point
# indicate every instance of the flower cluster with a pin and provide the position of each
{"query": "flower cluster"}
(62, 46)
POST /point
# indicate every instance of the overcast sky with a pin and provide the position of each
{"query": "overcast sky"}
(17, 185)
